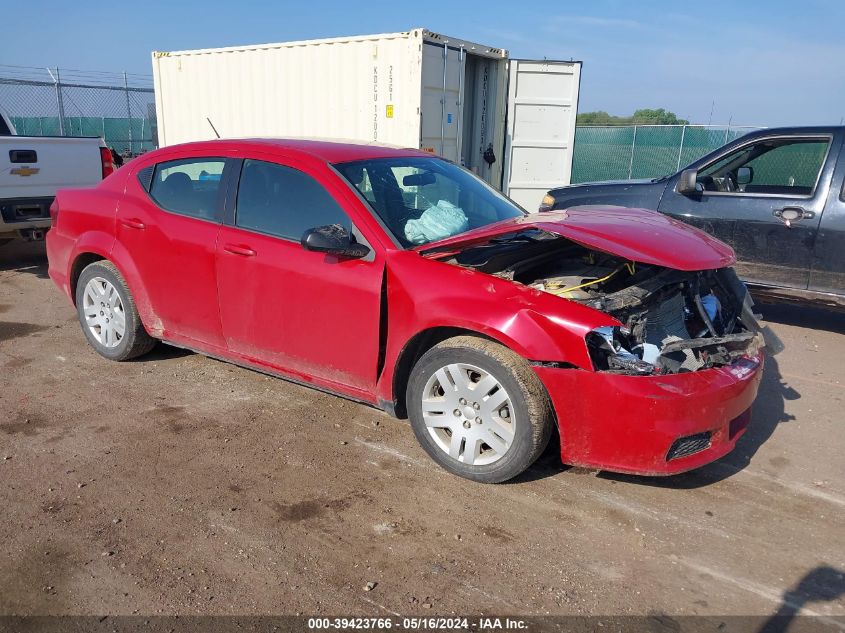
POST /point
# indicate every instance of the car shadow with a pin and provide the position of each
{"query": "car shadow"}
(802, 316)
(24, 257)
(821, 584)
(769, 411)
(163, 352)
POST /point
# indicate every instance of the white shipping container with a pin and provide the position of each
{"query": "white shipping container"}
(464, 101)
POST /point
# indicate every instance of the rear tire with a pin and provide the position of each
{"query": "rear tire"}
(492, 420)
(108, 314)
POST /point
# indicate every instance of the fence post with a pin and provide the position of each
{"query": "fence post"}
(633, 145)
(128, 110)
(681, 148)
(60, 103)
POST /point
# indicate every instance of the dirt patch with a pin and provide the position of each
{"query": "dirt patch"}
(10, 329)
(24, 424)
(297, 511)
(17, 363)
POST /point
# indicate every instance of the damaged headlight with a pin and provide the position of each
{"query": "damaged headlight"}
(610, 350)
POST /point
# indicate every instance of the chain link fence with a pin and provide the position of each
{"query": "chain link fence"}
(644, 151)
(118, 107)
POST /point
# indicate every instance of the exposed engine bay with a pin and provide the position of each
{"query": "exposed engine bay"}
(673, 321)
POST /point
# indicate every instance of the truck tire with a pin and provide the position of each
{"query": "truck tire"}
(478, 409)
(108, 314)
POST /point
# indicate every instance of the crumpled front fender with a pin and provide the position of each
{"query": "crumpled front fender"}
(423, 294)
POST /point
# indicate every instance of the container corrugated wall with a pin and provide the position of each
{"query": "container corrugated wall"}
(365, 89)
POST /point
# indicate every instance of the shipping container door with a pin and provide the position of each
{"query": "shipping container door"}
(442, 78)
(542, 104)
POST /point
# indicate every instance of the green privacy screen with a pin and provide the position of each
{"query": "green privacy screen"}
(115, 130)
(643, 151)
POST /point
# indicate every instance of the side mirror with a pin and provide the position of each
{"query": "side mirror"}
(335, 240)
(744, 175)
(688, 182)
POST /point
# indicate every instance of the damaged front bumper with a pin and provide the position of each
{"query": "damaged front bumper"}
(608, 348)
(652, 424)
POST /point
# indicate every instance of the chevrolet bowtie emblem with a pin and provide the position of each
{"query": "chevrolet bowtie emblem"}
(25, 171)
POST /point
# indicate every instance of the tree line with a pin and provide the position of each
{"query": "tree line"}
(645, 116)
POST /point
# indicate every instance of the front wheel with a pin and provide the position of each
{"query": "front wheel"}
(478, 409)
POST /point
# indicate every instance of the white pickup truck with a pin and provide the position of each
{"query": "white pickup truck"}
(32, 168)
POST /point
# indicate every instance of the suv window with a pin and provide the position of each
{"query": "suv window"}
(772, 166)
(189, 186)
(283, 201)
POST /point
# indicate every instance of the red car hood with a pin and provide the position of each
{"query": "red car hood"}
(638, 235)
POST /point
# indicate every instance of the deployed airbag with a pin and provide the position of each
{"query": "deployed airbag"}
(438, 221)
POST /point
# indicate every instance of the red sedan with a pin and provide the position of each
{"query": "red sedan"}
(400, 280)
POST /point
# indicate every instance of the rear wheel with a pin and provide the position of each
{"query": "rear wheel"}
(108, 314)
(478, 409)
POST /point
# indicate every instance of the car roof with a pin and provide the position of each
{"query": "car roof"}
(330, 151)
(804, 129)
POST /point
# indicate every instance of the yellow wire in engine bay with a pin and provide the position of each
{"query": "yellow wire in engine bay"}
(551, 286)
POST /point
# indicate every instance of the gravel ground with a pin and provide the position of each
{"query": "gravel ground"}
(177, 484)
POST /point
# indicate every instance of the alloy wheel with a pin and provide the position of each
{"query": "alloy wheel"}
(104, 313)
(468, 414)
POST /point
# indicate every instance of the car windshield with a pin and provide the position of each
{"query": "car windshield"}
(423, 200)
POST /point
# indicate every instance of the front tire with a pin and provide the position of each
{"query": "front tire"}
(108, 314)
(478, 409)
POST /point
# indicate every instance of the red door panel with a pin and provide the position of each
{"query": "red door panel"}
(174, 255)
(300, 311)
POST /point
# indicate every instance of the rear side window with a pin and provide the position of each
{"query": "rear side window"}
(189, 187)
(283, 201)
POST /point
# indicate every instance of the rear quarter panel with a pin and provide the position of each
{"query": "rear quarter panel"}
(85, 224)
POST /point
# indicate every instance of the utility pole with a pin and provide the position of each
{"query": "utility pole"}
(712, 107)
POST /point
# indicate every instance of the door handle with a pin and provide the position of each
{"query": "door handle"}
(236, 249)
(132, 223)
(793, 214)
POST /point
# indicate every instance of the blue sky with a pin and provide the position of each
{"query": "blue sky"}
(764, 63)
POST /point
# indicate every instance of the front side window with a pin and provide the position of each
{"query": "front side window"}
(284, 202)
(189, 187)
(772, 166)
(422, 200)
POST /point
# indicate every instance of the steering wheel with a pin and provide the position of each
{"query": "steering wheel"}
(728, 182)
